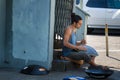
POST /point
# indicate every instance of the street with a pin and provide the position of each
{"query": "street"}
(98, 41)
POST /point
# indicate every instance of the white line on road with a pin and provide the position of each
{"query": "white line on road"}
(110, 50)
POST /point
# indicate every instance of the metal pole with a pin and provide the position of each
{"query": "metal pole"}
(106, 35)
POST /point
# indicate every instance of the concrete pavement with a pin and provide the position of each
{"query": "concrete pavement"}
(99, 44)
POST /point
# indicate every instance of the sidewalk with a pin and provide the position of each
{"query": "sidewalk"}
(11, 74)
(112, 61)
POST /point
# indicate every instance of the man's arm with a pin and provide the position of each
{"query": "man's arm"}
(66, 43)
(67, 35)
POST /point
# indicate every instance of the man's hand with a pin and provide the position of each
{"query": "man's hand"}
(82, 48)
(79, 48)
(83, 41)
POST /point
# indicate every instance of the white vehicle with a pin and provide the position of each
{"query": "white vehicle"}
(102, 12)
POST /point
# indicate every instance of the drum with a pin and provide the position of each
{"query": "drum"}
(98, 72)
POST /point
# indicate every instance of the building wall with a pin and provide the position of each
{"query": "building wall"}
(81, 33)
(77, 8)
(26, 36)
(31, 40)
(2, 30)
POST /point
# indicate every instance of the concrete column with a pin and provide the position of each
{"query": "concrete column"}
(2, 30)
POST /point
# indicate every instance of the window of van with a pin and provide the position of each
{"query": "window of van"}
(115, 4)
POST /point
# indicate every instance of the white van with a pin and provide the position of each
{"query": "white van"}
(103, 12)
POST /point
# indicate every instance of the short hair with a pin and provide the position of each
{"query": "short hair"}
(75, 18)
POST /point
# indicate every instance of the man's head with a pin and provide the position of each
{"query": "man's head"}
(76, 20)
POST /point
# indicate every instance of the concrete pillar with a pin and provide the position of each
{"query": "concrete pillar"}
(31, 39)
(2, 30)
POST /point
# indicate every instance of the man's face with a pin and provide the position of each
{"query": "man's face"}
(78, 25)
